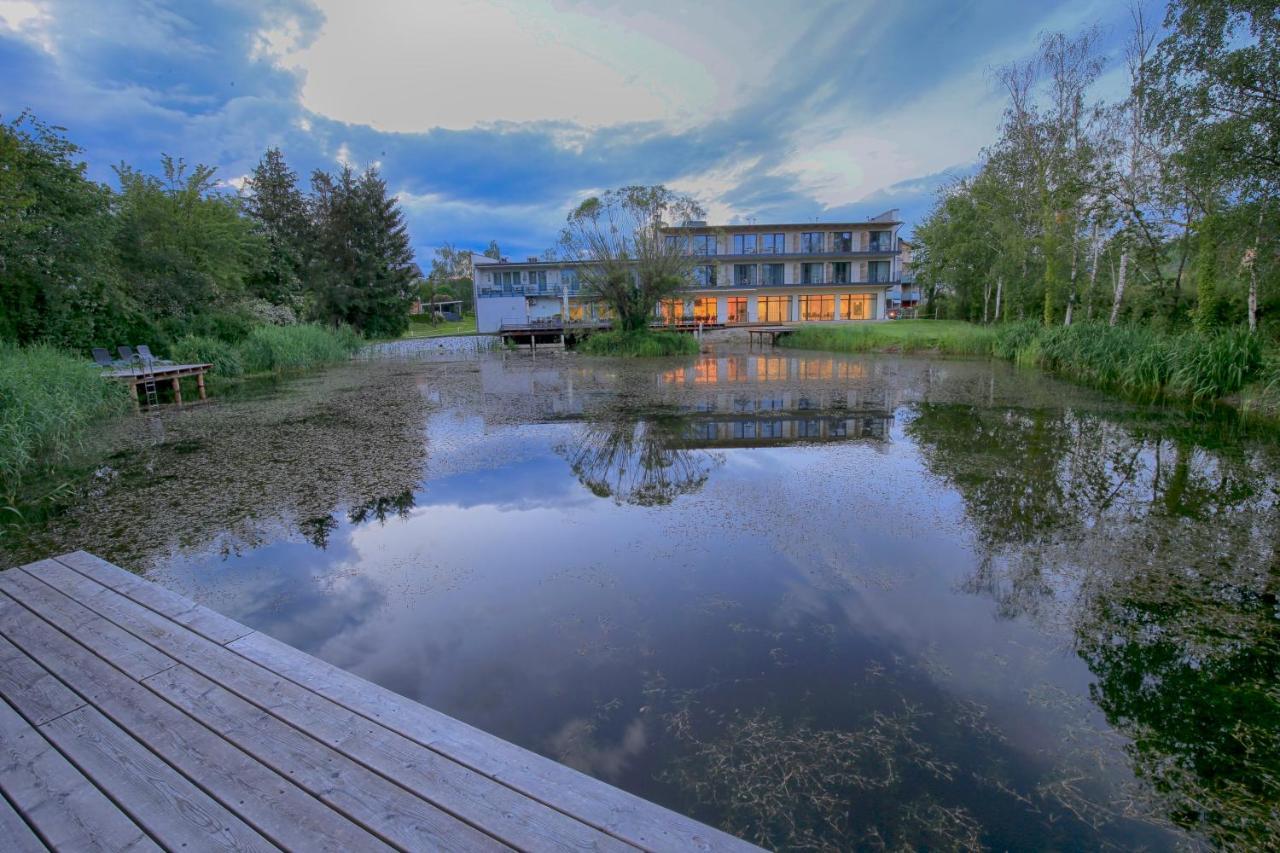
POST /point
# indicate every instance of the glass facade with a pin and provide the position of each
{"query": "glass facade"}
(672, 310)
(704, 244)
(878, 271)
(811, 273)
(857, 306)
(881, 241)
(737, 306)
(704, 309)
(744, 244)
(744, 275)
(773, 309)
(840, 272)
(842, 241)
(773, 244)
(773, 273)
(819, 307)
(811, 242)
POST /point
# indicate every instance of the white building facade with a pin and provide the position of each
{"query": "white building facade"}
(775, 274)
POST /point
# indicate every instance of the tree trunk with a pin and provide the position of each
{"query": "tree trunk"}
(986, 301)
(1115, 304)
(999, 290)
(1071, 288)
(1253, 276)
(1093, 274)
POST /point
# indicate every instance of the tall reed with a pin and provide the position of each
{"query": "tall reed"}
(48, 400)
(276, 349)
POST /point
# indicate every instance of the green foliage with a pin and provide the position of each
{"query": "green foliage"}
(48, 399)
(943, 336)
(199, 349)
(641, 343)
(277, 349)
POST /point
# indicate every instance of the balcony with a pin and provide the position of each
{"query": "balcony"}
(526, 290)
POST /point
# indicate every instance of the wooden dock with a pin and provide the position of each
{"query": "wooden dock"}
(171, 373)
(135, 719)
(755, 333)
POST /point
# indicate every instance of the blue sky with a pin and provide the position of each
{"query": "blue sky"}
(491, 119)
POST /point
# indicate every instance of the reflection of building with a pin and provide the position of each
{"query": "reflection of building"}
(767, 429)
(746, 274)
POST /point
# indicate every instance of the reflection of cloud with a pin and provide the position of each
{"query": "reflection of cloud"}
(575, 744)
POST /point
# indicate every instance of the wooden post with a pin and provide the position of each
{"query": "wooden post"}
(200, 384)
(177, 390)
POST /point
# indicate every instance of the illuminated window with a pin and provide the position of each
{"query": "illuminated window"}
(737, 309)
(856, 306)
(576, 312)
(672, 310)
(704, 309)
(773, 309)
(821, 307)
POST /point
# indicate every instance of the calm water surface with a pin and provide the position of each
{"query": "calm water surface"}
(822, 602)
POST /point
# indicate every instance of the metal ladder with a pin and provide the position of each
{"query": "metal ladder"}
(148, 381)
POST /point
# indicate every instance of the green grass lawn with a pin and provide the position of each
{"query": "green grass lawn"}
(422, 329)
(953, 337)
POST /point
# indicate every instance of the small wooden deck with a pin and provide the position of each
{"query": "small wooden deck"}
(755, 333)
(134, 719)
(171, 373)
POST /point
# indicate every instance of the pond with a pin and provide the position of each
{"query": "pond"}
(819, 601)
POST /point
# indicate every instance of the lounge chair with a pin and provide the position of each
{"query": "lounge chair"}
(144, 353)
(102, 357)
(126, 354)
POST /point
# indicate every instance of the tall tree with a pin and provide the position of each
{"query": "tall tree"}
(278, 209)
(362, 270)
(492, 251)
(632, 265)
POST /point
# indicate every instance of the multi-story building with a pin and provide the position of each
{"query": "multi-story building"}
(788, 273)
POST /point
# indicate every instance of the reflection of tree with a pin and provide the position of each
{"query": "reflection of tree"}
(382, 508)
(1164, 536)
(637, 461)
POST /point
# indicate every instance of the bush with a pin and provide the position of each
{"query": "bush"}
(641, 343)
(48, 398)
(194, 349)
(275, 349)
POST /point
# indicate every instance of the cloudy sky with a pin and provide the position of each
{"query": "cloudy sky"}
(491, 118)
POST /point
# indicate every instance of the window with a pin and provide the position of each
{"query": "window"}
(842, 241)
(882, 241)
(704, 309)
(821, 307)
(672, 310)
(856, 306)
(840, 272)
(811, 242)
(773, 244)
(538, 280)
(704, 275)
(569, 279)
(737, 309)
(774, 273)
(811, 273)
(744, 244)
(576, 312)
(509, 281)
(744, 275)
(704, 244)
(878, 272)
(773, 309)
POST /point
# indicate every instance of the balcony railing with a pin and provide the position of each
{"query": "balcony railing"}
(531, 290)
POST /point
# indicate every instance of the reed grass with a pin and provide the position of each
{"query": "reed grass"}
(279, 349)
(639, 344)
(48, 400)
(200, 349)
(908, 336)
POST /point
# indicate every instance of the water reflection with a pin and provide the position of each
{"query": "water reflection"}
(828, 602)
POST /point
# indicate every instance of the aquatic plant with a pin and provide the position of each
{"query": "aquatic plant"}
(639, 344)
(48, 398)
(224, 357)
(275, 349)
(944, 336)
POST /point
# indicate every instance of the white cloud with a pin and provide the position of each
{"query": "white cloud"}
(403, 66)
(28, 20)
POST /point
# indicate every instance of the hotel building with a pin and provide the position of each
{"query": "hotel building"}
(789, 273)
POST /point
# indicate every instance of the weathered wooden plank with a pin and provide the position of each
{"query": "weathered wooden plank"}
(272, 804)
(503, 813)
(109, 641)
(621, 814)
(365, 797)
(158, 798)
(29, 688)
(205, 622)
(17, 836)
(57, 800)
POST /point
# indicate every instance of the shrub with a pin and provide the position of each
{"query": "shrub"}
(224, 357)
(48, 399)
(641, 343)
(275, 349)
